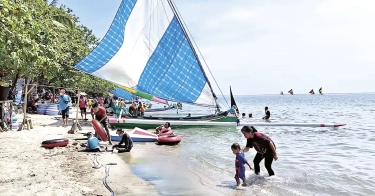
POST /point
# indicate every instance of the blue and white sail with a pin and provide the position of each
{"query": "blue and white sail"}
(146, 48)
(119, 92)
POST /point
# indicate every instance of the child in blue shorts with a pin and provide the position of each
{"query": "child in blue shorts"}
(240, 164)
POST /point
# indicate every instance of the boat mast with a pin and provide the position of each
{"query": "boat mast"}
(171, 4)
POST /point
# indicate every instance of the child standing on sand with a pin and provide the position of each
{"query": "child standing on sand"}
(240, 164)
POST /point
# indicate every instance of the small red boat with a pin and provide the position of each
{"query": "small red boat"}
(169, 139)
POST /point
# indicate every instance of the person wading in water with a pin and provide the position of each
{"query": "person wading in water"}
(264, 146)
(268, 113)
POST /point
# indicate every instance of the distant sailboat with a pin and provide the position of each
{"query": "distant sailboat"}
(321, 90)
(281, 93)
(312, 91)
(290, 91)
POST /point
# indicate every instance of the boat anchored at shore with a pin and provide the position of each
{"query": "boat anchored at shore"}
(160, 66)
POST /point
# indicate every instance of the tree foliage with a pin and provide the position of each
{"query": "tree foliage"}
(42, 42)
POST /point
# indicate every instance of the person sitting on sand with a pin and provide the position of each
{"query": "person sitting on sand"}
(250, 115)
(189, 115)
(240, 164)
(243, 115)
(126, 143)
(92, 143)
(101, 115)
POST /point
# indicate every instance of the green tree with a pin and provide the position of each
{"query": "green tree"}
(42, 42)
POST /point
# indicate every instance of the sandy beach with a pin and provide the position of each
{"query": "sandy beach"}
(29, 169)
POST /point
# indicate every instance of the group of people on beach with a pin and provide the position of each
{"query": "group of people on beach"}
(263, 145)
(137, 109)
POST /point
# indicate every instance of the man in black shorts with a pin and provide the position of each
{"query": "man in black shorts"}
(64, 106)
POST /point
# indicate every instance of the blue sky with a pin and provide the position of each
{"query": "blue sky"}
(264, 47)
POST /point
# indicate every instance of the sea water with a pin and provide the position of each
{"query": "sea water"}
(312, 161)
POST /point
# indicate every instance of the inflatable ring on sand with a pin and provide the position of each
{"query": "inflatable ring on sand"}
(55, 143)
(165, 132)
(169, 139)
(99, 130)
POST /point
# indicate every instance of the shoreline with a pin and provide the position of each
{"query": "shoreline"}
(30, 169)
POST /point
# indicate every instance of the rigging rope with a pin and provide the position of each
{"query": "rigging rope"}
(204, 60)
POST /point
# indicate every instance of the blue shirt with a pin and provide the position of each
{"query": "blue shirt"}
(93, 143)
(64, 101)
(240, 161)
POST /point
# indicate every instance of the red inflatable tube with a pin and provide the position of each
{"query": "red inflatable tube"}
(55, 143)
(169, 139)
(99, 130)
(165, 132)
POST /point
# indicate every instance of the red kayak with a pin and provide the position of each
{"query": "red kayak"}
(169, 139)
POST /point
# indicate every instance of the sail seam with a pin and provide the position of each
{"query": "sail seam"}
(192, 48)
(182, 21)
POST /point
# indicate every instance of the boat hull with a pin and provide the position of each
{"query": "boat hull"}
(144, 123)
(137, 135)
(157, 110)
(134, 139)
(152, 124)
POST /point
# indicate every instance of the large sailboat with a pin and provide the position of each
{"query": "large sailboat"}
(149, 52)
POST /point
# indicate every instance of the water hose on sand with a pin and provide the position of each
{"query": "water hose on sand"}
(97, 165)
(105, 178)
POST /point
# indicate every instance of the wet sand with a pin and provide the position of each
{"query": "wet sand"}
(166, 170)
